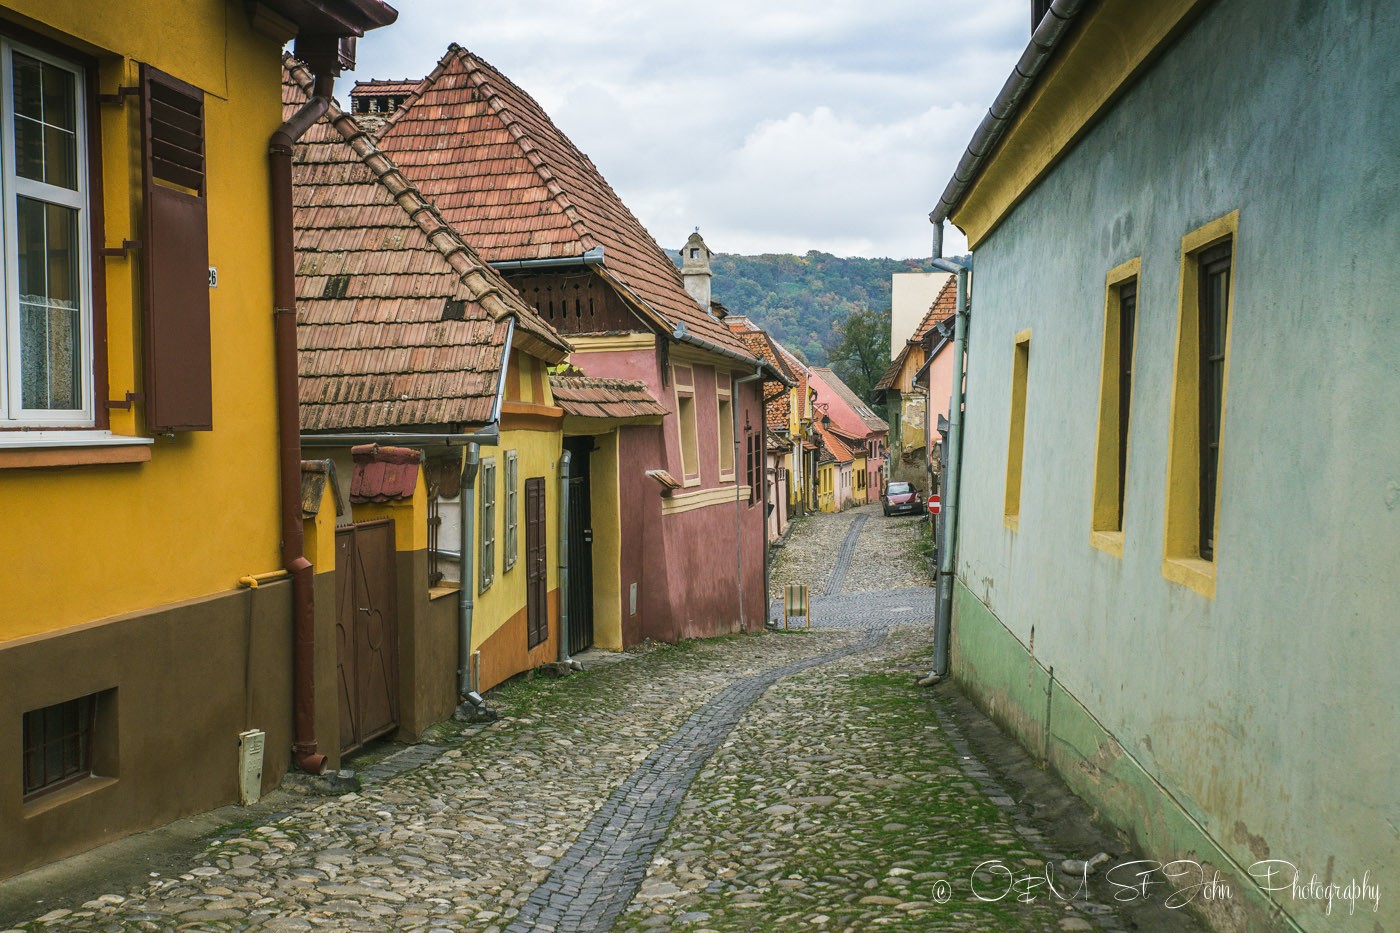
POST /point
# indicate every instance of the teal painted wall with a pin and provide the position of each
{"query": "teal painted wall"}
(1270, 715)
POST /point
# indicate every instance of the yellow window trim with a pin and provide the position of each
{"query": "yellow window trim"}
(1181, 558)
(1016, 434)
(1110, 542)
(1103, 534)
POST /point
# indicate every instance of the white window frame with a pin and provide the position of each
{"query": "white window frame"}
(512, 509)
(11, 188)
(486, 530)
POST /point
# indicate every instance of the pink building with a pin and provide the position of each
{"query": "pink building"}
(672, 541)
(856, 422)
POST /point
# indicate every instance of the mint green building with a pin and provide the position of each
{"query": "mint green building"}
(1178, 550)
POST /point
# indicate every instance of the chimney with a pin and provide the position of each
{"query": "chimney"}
(695, 267)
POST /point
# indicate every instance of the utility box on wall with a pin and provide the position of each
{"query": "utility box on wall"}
(250, 765)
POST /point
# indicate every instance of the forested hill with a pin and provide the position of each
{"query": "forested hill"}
(803, 300)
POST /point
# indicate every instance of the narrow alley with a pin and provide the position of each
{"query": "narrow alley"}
(782, 781)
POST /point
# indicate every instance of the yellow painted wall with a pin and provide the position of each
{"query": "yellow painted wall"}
(539, 456)
(607, 543)
(83, 543)
(826, 487)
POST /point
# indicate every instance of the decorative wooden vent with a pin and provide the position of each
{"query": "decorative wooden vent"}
(175, 256)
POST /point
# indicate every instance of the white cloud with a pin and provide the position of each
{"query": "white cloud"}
(820, 125)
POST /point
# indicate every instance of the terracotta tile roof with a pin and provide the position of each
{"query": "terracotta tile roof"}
(944, 306)
(833, 444)
(399, 322)
(517, 188)
(382, 474)
(891, 374)
(873, 422)
(800, 373)
(590, 397)
(315, 474)
(384, 88)
(761, 344)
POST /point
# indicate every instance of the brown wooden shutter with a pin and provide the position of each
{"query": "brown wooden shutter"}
(175, 255)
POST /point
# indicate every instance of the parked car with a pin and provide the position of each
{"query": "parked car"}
(900, 498)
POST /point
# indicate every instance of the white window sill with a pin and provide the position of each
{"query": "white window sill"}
(10, 440)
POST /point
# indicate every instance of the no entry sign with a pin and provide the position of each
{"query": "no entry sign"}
(934, 505)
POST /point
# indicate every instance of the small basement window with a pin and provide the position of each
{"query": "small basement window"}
(58, 745)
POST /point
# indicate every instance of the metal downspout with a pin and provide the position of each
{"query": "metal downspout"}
(763, 504)
(279, 152)
(943, 625)
(564, 459)
(738, 505)
(466, 560)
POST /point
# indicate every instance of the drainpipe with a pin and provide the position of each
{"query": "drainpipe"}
(738, 506)
(763, 503)
(466, 547)
(943, 620)
(564, 459)
(279, 152)
(466, 571)
(592, 257)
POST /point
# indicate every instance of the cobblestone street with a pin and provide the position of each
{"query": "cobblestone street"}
(783, 781)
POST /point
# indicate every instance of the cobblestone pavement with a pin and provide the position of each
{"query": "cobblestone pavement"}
(760, 782)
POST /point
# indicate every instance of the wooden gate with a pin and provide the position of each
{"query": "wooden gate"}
(580, 595)
(536, 571)
(366, 632)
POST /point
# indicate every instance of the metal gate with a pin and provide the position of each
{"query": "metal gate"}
(366, 632)
(536, 571)
(580, 593)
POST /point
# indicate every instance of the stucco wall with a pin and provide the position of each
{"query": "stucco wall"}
(1269, 713)
(154, 521)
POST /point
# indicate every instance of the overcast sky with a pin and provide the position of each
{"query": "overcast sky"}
(802, 124)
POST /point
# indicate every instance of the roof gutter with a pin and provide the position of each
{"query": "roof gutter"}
(593, 257)
(1046, 39)
(681, 335)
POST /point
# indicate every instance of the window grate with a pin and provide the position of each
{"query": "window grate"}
(58, 745)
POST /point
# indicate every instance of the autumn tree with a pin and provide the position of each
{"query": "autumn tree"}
(859, 352)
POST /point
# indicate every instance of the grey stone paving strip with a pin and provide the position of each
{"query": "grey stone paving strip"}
(843, 557)
(595, 880)
(860, 610)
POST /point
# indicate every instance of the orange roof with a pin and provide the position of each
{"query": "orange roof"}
(384, 88)
(398, 321)
(590, 397)
(944, 306)
(760, 343)
(839, 451)
(517, 188)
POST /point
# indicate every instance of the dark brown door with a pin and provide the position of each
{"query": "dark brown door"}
(580, 594)
(366, 632)
(536, 573)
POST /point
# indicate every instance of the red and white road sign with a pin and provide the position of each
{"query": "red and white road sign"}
(934, 505)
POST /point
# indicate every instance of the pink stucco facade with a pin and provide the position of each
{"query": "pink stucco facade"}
(850, 423)
(695, 554)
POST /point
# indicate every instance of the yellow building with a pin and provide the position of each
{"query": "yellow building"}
(139, 454)
(424, 381)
